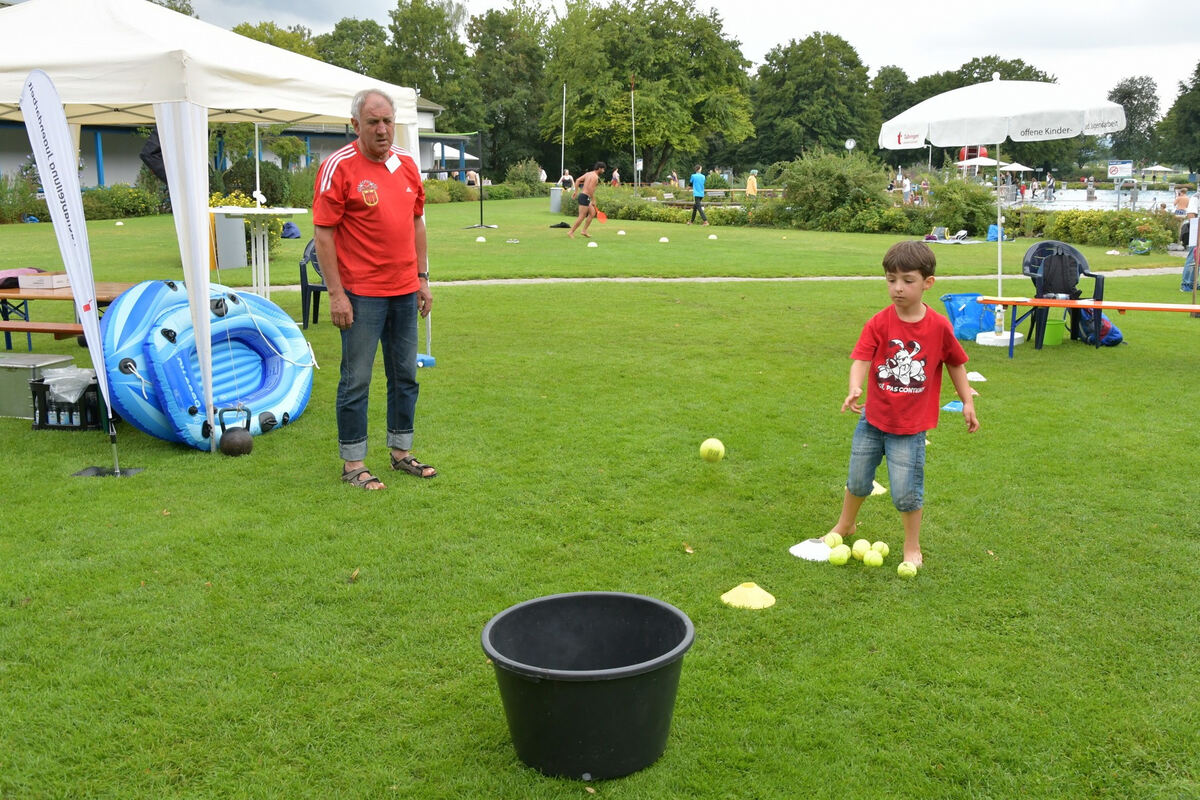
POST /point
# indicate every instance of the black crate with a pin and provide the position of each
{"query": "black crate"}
(88, 413)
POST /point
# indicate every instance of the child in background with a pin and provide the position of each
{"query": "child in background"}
(901, 351)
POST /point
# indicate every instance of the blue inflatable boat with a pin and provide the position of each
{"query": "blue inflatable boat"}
(262, 366)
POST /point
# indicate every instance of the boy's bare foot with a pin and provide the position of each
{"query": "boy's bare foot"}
(586, 235)
(570, 236)
(845, 535)
(913, 556)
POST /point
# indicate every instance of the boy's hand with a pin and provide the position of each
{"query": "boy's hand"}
(969, 416)
(854, 402)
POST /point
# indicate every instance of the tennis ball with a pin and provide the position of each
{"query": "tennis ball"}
(872, 558)
(881, 548)
(861, 546)
(907, 569)
(839, 555)
(712, 450)
(833, 539)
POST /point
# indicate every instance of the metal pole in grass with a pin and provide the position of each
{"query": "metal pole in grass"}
(479, 185)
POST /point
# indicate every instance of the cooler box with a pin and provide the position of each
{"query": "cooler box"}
(16, 371)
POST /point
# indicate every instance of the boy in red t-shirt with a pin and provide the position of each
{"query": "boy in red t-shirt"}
(901, 351)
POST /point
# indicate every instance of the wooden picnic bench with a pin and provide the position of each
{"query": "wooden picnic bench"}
(61, 330)
(1095, 306)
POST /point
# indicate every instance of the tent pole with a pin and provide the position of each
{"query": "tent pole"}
(257, 183)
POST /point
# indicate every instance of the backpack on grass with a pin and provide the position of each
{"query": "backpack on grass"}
(1110, 335)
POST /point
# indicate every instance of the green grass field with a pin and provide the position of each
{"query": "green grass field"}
(195, 630)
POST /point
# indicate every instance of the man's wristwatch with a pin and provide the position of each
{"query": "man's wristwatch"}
(424, 275)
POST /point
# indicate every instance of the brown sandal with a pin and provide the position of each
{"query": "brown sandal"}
(412, 467)
(362, 478)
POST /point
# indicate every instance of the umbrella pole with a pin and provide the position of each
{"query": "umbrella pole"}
(999, 250)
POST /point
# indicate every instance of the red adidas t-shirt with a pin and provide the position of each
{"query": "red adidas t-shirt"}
(904, 380)
(372, 209)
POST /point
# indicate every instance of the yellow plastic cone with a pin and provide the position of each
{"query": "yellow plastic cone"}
(748, 595)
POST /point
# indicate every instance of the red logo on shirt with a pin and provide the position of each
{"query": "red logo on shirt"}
(369, 192)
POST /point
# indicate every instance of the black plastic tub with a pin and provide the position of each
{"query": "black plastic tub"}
(588, 679)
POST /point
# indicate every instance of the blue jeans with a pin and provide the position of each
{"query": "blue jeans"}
(1189, 270)
(905, 463)
(391, 321)
(697, 208)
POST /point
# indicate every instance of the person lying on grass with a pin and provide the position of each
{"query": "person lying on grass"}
(901, 351)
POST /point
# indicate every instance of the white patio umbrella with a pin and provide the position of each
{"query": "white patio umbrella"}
(994, 111)
(1158, 168)
(1016, 166)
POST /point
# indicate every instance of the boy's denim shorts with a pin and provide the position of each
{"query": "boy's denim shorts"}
(905, 464)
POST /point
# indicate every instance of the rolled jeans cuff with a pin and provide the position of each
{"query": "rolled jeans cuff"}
(400, 441)
(353, 451)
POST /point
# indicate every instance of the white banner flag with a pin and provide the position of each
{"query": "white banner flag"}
(58, 164)
(183, 133)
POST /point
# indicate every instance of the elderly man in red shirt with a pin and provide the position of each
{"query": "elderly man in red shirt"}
(369, 227)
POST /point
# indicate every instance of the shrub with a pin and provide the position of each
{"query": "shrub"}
(272, 181)
(715, 180)
(963, 205)
(300, 186)
(829, 190)
(500, 191)
(148, 182)
(436, 192)
(1112, 228)
(525, 178)
(18, 199)
(118, 201)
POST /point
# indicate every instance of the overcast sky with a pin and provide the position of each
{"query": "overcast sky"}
(1091, 44)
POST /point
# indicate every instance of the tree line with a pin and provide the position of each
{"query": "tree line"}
(667, 73)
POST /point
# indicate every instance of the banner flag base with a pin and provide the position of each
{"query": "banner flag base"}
(106, 472)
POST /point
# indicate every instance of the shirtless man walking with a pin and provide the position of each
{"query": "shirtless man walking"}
(587, 198)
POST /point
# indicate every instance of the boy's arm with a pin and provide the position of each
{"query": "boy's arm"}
(858, 376)
(958, 374)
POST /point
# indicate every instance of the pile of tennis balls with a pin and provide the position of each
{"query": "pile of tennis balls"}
(872, 555)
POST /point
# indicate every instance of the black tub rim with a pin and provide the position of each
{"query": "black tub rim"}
(533, 671)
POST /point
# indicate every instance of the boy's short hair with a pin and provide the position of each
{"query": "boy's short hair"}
(600, 165)
(911, 256)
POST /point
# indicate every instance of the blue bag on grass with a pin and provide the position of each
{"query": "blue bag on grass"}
(290, 230)
(1110, 335)
(968, 317)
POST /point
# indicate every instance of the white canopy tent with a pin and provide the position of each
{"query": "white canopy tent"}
(445, 152)
(130, 62)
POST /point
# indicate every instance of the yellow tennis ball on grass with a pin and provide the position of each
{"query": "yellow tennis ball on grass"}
(712, 450)
(872, 558)
(881, 548)
(832, 539)
(907, 569)
(861, 546)
(839, 555)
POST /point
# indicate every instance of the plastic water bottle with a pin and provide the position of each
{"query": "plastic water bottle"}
(999, 329)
